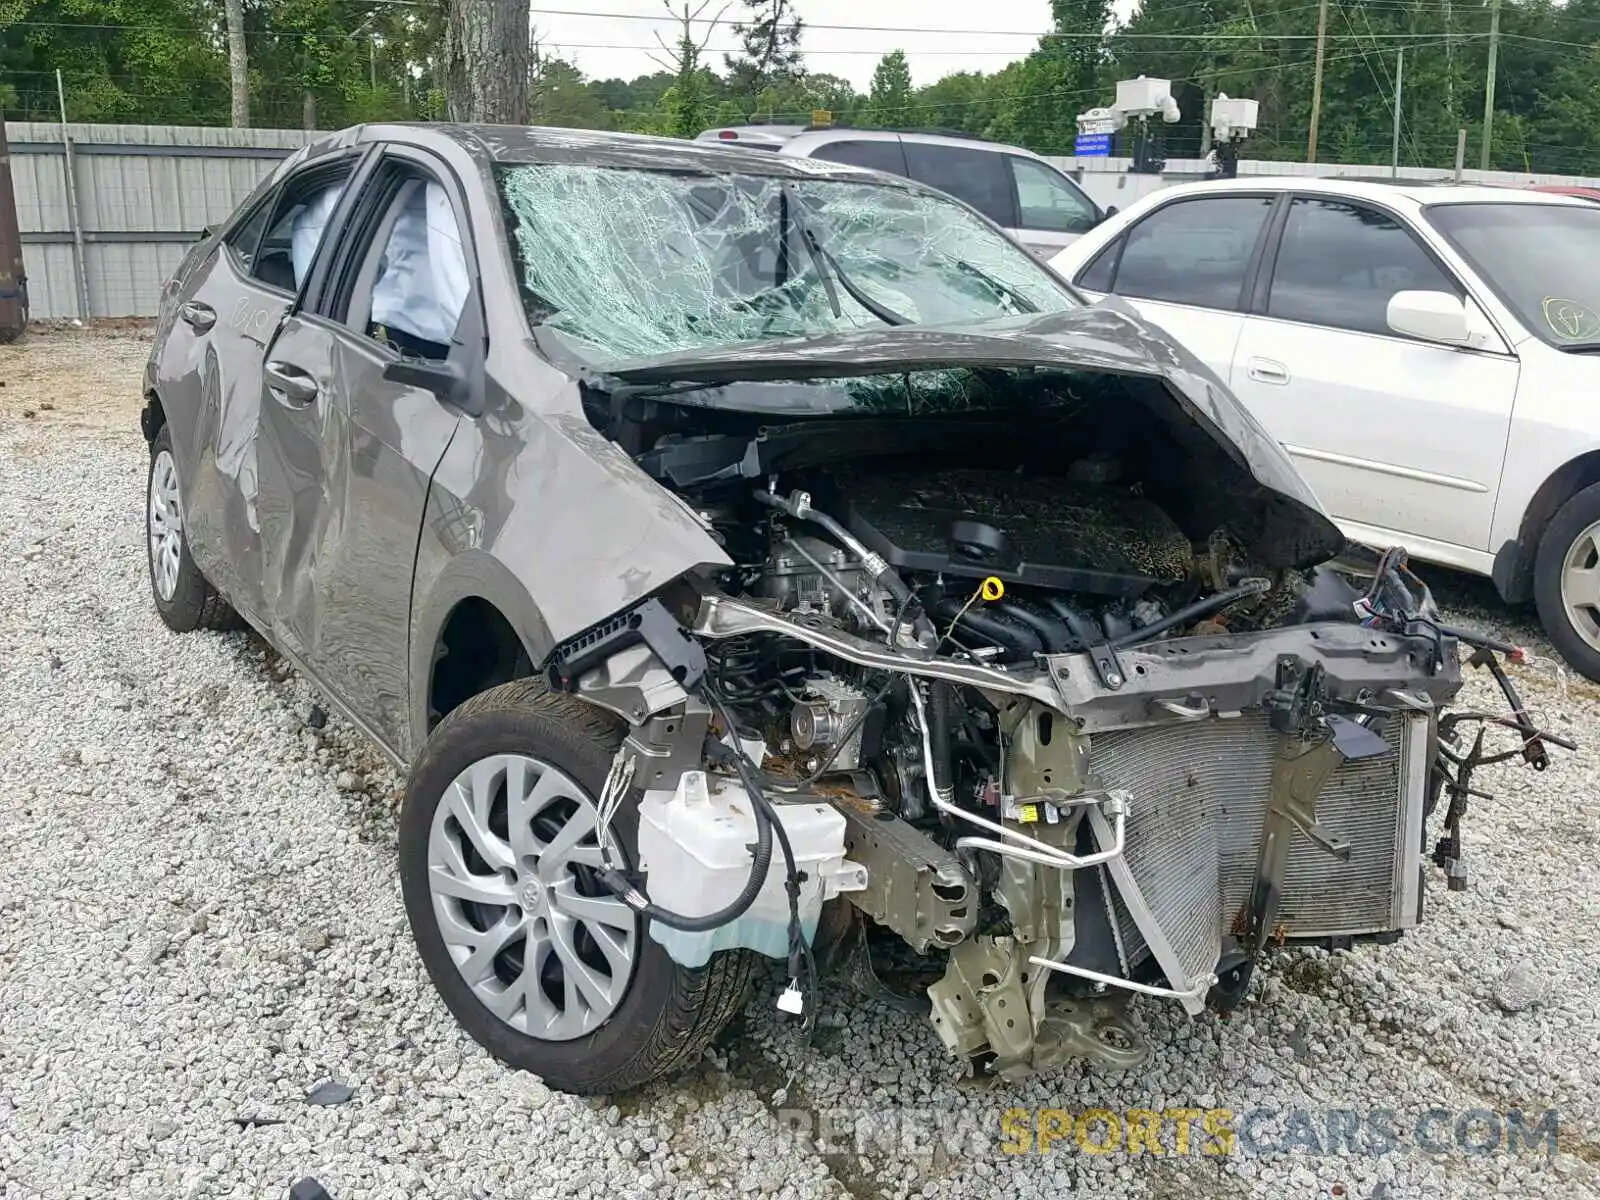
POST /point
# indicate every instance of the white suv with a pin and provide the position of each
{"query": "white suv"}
(1015, 188)
(1430, 355)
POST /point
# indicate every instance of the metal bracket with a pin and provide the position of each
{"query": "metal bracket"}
(1298, 776)
(1107, 666)
(650, 623)
(1297, 781)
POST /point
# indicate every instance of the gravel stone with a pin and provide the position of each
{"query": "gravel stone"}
(1521, 986)
(175, 826)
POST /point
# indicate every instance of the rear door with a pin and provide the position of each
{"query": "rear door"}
(968, 173)
(1187, 265)
(211, 369)
(352, 433)
(1393, 433)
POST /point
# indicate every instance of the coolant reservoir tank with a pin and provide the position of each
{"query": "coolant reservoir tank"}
(697, 849)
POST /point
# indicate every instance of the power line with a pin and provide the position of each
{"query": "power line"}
(1110, 36)
(618, 16)
(1035, 34)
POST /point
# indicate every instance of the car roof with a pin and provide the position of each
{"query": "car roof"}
(1415, 194)
(801, 140)
(536, 144)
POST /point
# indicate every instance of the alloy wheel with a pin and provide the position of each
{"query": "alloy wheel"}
(1580, 584)
(165, 525)
(513, 873)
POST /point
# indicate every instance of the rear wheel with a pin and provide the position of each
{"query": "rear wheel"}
(183, 597)
(536, 959)
(1566, 581)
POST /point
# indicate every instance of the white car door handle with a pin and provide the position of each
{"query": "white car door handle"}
(1266, 370)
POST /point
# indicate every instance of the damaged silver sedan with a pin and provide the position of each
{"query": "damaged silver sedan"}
(753, 557)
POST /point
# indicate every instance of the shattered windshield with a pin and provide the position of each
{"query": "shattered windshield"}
(627, 264)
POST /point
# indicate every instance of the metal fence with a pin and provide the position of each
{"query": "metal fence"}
(110, 209)
(107, 211)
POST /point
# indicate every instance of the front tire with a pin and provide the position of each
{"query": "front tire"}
(542, 966)
(1566, 581)
(184, 599)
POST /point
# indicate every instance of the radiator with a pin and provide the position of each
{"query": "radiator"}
(1199, 794)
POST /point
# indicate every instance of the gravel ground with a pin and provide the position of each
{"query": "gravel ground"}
(200, 923)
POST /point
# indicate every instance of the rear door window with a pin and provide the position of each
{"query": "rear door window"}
(246, 236)
(979, 177)
(1046, 200)
(1193, 251)
(884, 155)
(304, 208)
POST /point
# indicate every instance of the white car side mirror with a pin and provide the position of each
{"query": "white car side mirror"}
(1431, 316)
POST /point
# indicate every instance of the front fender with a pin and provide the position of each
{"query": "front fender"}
(553, 524)
(471, 574)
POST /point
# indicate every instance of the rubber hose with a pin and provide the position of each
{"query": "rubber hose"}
(1193, 612)
(761, 808)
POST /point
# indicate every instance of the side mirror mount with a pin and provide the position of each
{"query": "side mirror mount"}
(1431, 316)
(1110, 211)
(445, 380)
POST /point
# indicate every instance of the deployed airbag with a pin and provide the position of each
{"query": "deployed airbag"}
(422, 283)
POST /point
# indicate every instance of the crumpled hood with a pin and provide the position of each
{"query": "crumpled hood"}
(1108, 336)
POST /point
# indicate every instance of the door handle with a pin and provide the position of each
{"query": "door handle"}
(290, 384)
(1266, 370)
(201, 316)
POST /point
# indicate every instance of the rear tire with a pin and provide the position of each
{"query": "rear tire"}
(637, 1015)
(1566, 581)
(184, 599)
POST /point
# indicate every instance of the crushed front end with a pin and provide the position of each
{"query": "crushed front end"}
(1047, 668)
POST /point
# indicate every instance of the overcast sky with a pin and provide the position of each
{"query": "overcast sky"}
(615, 45)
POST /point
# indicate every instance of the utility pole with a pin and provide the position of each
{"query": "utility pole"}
(1316, 87)
(1399, 75)
(238, 66)
(1488, 86)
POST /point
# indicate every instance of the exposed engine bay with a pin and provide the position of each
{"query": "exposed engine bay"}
(1063, 697)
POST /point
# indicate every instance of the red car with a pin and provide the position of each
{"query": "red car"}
(1562, 189)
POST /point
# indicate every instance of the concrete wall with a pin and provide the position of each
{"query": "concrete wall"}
(145, 192)
(1108, 181)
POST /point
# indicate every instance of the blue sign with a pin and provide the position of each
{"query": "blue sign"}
(1093, 145)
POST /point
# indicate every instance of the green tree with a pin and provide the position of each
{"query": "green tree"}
(889, 102)
(1060, 79)
(770, 36)
(160, 61)
(560, 96)
(962, 100)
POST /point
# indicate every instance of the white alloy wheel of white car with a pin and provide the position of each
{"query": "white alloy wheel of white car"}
(1430, 356)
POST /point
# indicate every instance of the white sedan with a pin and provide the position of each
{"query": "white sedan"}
(1430, 355)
